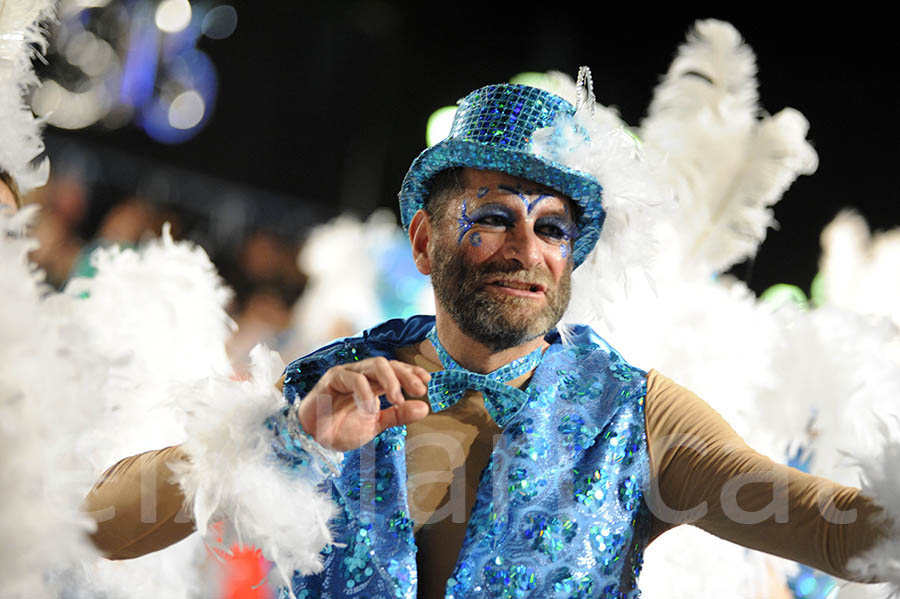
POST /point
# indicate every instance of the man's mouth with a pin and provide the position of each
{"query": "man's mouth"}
(518, 287)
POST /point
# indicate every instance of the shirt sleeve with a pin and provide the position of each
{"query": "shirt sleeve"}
(137, 507)
(703, 473)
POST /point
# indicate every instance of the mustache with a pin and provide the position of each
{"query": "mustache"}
(484, 272)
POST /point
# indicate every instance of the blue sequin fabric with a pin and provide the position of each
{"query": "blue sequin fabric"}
(493, 130)
(560, 510)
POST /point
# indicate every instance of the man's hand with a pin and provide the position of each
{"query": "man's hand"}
(343, 412)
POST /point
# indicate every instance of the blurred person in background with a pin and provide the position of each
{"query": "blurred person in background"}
(267, 282)
(125, 224)
(10, 202)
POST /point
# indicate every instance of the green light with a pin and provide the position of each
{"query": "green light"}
(637, 140)
(533, 79)
(782, 293)
(817, 291)
(439, 124)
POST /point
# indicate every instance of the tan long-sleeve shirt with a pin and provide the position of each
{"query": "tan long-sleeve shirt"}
(702, 473)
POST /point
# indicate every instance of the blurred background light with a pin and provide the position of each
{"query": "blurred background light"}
(220, 22)
(71, 7)
(783, 293)
(173, 15)
(817, 290)
(190, 80)
(89, 53)
(439, 124)
(116, 62)
(70, 110)
(186, 110)
(533, 79)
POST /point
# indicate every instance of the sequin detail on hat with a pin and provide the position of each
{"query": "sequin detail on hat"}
(493, 130)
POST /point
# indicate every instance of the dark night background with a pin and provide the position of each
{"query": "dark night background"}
(322, 105)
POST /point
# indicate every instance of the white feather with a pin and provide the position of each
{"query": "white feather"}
(341, 259)
(726, 166)
(688, 563)
(766, 370)
(48, 378)
(860, 271)
(22, 36)
(157, 316)
(596, 141)
(881, 481)
(232, 475)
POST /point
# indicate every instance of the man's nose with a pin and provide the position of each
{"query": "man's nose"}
(523, 246)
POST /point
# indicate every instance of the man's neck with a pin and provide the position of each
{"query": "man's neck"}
(473, 355)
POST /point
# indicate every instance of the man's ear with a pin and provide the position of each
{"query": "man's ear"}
(420, 238)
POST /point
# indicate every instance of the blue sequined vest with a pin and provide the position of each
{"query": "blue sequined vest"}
(559, 511)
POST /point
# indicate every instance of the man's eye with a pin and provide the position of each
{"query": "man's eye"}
(553, 231)
(493, 220)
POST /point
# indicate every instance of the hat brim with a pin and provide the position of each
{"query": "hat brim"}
(580, 187)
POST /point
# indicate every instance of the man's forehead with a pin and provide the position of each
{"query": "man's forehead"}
(485, 182)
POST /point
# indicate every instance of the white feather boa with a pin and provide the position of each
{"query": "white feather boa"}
(232, 473)
(22, 35)
(880, 476)
(48, 373)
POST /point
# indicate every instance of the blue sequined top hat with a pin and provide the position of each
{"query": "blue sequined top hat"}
(492, 130)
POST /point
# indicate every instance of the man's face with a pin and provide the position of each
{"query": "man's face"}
(7, 199)
(501, 259)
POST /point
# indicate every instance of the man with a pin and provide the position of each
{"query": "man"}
(533, 467)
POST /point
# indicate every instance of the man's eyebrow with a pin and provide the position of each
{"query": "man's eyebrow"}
(562, 215)
(513, 191)
(491, 207)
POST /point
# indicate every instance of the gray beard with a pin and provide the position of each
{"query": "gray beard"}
(498, 323)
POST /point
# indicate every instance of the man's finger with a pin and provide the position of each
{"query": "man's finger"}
(348, 381)
(377, 371)
(412, 379)
(386, 374)
(410, 411)
(393, 378)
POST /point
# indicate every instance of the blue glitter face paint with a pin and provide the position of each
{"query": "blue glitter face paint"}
(535, 202)
(515, 192)
(482, 191)
(529, 205)
(564, 250)
(554, 226)
(464, 223)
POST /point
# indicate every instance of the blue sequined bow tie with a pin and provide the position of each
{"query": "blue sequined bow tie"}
(449, 385)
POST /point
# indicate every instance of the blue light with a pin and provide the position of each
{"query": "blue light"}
(139, 70)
